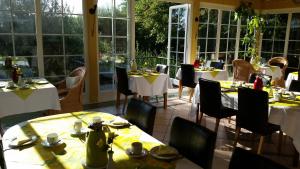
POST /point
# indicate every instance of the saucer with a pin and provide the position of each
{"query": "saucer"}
(130, 154)
(82, 132)
(45, 143)
(40, 82)
(83, 162)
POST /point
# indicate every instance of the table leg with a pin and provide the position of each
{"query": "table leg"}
(165, 100)
(180, 89)
(295, 157)
(118, 98)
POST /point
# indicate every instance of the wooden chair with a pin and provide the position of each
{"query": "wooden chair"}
(244, 159)
(253, 113)
(187, 79)
(122, 87)
(242, 70)
(141, 114)
(283, 64)
(193, 141)
(161, 68)
(295, 86)
(71, 99)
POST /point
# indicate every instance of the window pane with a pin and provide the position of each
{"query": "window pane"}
(224, 31)
(121, 45)
(231, 45)
(105, 45)
(24, 5)
(202, 30)
(267, 45)
(212, 31)
(5, 20)
(181, 45)
(6, 46)
(52, 6)
(121, 8)
(213, 16)
(225, 17)
(295, 33)
(278, 46)
(174, 16)
(202, 45)
(73, 24)
(24, 22)
(203, 15)
(72, 6)
(105, 8)
(73, 45)
(72, 62)
(48, 20)
(223, 45)
(280, 33)
(25, 45)
(105, 26)
(294, 47)
(121, 26)
(4, 5)
(53, 45)
(268, 34)
(232, 32)
(211, 45)
(54, 66)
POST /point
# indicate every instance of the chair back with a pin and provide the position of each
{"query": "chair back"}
(244, 159)
(295, 86)
(188, 75)
(161, 68)
(279, 61)
(78, 87)
(252, 110)
(122, 80)
(266, 79)
(193, 141)
(2, 161)
(242, 70)
(141, 114)
(210, 97)
(217, 65)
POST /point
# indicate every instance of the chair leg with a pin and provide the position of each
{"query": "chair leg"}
(180, 89)
(125, 103)
(118, 99)
(295, 157)
(280, 141)
(191, 94)
(237, 134)
(261, 141)
(165, 100)
(156, 99)
(197, 113)
(217, 125)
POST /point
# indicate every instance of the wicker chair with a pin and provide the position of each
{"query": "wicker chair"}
(71, 99)
(242, 70)
(283, 64)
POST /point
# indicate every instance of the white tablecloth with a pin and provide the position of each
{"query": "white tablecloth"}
(43, 98)
(210, 75)
(287, 117)
(273, 71)
(291, 76)
(138, 84)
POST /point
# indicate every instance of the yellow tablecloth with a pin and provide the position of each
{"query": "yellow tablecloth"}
(72, 152)
(149, 77)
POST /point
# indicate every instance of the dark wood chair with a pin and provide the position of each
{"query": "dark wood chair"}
(242, 70)
(187, 79)
(122, 86)
(253, 109)
(193, 141)
(295, 86)
(161, 68)
(141, 114)
(211, 103)
(243, 159)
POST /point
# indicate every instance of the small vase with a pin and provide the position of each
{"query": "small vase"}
(133, 66)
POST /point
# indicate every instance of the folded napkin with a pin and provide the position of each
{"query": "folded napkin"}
(166, 151)
(119, 121)
(21, 141)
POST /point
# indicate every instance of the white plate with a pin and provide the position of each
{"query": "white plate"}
(14, 144)
(154, 150)
(45, 143)
(41, 82)
(82, 132)
(130, 154)
(112, 124)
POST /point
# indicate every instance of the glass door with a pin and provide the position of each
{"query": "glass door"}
(177, 37)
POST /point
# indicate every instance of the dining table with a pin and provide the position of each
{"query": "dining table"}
(149, 84)
(35, 96)
(71, 153)
(284, 112)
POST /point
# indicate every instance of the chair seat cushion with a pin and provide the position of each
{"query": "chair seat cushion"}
(270, 129)
(127, 92)
(227, 112)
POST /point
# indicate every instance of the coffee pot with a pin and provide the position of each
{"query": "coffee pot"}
(96, 147)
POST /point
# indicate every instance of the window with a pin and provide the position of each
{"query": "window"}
(293, 53)
(62, 30)
(17, 36)
(113, 37)
(207, 34)
(274, 36)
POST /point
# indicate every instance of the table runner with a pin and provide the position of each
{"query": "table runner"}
(149, 77)
(74, 149)
(216, 74)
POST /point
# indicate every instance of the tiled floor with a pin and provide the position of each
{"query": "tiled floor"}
(223, 151)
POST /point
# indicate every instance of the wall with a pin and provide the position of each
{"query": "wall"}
(279, 4)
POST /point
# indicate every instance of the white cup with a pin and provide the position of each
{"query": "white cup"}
(52, 138)
(97, 119)
(77, 126)
(136, 148)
